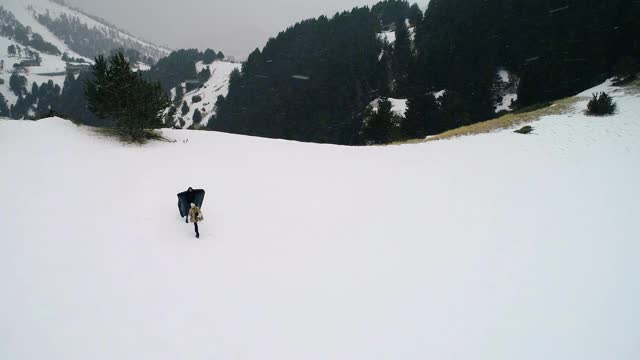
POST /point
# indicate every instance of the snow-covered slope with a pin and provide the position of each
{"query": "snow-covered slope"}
(52, 66)
(56, 10)
(498, 246)
(218, 84)
(398, 106)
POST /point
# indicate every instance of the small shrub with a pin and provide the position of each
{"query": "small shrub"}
(196, 99)
(601, 104)
(1, 81)
(525, 130)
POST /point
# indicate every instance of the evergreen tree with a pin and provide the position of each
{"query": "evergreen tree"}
(197, 117)
(454, 113)
(379, 123)
(220, 56)
(4, 109)
(17, 84)
(209, 56)
(72, 103)
(415, 15)
(422, 117)
(204, 75)
(389, 11)
(117, 92)
(185, 108)
(11, 50)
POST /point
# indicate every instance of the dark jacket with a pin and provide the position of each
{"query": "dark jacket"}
(186, 198)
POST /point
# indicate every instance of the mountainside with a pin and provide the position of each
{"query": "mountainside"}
(37, 47)
(89, 35)
(315, 81)
(194, 80)
(498, 246)
(202, 99)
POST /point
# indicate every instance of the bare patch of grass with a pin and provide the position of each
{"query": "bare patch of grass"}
(504, 122)
(519, 118)
(114, 134)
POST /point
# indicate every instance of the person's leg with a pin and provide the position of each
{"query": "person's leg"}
(196, 227)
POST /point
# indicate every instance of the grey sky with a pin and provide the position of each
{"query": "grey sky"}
(234, 26)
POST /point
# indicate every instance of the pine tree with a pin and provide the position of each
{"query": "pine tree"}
(379, 123)
(17, 84)
(185, 108)
(415, 15)
(209, 56)
(11, 50)
(117, 92)
(204, 75)
(4, 109)
(197, 117)
(422, 113)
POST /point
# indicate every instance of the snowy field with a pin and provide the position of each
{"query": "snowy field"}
(496, 246)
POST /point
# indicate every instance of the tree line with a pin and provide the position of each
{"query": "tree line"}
(316, 80)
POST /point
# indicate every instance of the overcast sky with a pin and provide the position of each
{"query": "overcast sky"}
(234, 26)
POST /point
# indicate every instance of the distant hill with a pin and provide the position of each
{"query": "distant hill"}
(47, 48)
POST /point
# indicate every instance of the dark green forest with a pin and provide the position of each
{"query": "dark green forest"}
(313, 81)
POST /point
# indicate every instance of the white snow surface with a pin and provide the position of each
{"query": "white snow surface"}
(439, 94)
(504, 75)
(388, 36)
(505, 104)
(497, 246)
(398, 106)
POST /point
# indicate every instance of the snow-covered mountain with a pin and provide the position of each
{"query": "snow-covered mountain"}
(23, 30)
(489, 247)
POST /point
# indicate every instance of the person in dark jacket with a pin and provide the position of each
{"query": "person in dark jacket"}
(186, 198)
(195, 214)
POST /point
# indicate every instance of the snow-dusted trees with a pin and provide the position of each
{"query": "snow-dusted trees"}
(17, 84)
(134, 104)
